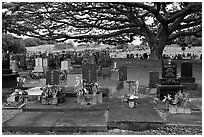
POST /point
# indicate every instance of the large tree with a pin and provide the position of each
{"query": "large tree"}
(117, 22)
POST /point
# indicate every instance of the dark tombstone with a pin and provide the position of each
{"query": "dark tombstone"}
(122, 73)
(52, 77)
(153, 79)
(170, 84)
(187, 78)
(169, 70)
(186, 69)
(9, 80)
(89, 73)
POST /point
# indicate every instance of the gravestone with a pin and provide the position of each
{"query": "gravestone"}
(9, 80)
(52, 77)
(153, 79)
(38, 65)
(170, 84)
(187, 78)
(13, 65)
(64, 65)
(122, 73)
(22, 62)
(89, 73)
(45, 64)
(30, 63)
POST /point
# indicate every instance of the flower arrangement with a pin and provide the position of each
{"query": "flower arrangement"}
(180, 103)
(87, 91)
(50, 93)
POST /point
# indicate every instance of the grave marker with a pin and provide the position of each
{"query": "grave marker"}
(89, 73)
(64, 65)
(45, 64)
(187, 78)
(170, 84)
(38, 65)
(122, 73)
(52, 77)
(153, 79)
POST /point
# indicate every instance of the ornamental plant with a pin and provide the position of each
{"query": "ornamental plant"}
(50, 91)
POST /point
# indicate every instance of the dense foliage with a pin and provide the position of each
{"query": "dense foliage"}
(158, 23)
(12, 44)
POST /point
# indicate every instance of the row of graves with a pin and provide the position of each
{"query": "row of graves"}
(170, 89)
(38, 64)
(90, 65)
(87, 91)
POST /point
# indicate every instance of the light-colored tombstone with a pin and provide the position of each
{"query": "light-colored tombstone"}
(13, 65)
(64, 65)
(38, 65)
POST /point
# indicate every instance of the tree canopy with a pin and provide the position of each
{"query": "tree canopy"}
(160, 23)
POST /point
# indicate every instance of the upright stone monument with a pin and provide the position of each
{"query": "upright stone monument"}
(153, 79)
(122, 73)
(52, 77)
(38, 65)
(170, 84)
(45, 64)
(64, 65)
(9, 80)
(89, 73)
(187, 78)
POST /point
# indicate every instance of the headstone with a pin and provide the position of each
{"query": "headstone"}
(52, 77)
(45, 64)
(89, 73)
(38, 65)
(186, 69)
(187, 78)
(170, 84)
(153, 79)
(9, 80)
(122, 73)
(13, 65)
(64, 65)
(169, 70)
(69, 63)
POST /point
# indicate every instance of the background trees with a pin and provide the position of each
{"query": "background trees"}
(12, 44)
(159, 23)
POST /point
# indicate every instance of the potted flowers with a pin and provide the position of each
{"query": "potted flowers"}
(180, 103)
(87, 93)
(49, 94)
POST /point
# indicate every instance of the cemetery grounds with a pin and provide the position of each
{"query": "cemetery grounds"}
(138, 69)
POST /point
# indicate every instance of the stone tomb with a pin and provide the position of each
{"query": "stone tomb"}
(122, 73)
(89, 73)
(38, 65)
(64, 65)
(187, 78)
(9, 80)
(13, 65)
(52, 77)
(153, 79)
(170, 84)
(45, 64)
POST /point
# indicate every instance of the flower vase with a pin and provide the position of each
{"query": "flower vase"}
(80, 99)
(173, 109)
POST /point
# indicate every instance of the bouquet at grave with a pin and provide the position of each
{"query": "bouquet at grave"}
(86, 88)
(167, 100)
(20, 81)
(18, 96)
(51, 91)
(181, 99)
(180, 103)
